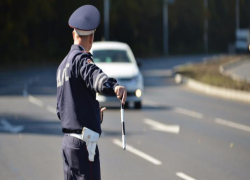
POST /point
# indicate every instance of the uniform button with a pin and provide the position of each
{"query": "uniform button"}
(88, 136)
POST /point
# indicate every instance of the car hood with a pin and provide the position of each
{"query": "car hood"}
(119, 70)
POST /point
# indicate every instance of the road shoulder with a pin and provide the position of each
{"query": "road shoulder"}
(223, 92)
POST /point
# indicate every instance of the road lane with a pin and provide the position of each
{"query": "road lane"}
(138, 152)
(202, 149)
(195, 135)
(179, 96)
(32, 153)
(190, 131)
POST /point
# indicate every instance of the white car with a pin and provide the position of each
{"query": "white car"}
(117, 61)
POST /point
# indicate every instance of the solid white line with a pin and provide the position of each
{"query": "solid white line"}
(232, 124)
(162, 127)
(51, 109)
(184, 176)
(138, 152)
(189, 113)
(35, 101)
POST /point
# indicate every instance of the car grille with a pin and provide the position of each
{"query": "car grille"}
(130, 93)
(124, 79)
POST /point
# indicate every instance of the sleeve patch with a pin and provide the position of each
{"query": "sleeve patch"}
(89, 61)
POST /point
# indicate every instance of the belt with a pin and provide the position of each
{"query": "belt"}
(69, 131)
(90, 137)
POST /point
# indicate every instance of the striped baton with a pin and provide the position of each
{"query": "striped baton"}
(123, 127)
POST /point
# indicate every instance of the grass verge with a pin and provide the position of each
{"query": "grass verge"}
(208, 72)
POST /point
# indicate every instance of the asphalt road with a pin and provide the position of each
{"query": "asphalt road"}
(178, 134)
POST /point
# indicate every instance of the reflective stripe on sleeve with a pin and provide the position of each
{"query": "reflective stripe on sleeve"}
(99, 80)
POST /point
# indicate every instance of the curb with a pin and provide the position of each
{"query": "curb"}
(235, 62)
(232, 94)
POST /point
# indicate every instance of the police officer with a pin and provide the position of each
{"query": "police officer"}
(78, 81)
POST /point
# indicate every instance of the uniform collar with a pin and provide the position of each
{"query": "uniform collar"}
(77, 47)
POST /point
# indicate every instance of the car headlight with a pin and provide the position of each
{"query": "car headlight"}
(138, 93)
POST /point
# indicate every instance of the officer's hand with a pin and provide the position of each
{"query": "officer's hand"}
(101, 113)
(121, 93)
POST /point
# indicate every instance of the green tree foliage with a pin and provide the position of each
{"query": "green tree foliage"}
(138, 23)
(221, 24)
(186, 26)
(37, 30)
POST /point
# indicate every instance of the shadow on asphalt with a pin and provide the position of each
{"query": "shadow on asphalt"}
(44, 127)
(144, 108)
(112, 133)
(31, 125)
(35, 81)
(41, 80)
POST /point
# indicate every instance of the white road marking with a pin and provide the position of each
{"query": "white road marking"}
(138, 152)
(232, 124)
(162, 127)
(184, 176)
(39, 103)
(188, 113)
(177, 109)
(35, 101)
(9, 127)
(51, 109)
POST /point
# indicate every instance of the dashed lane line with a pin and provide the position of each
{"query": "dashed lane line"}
(35, 101)
(178, 110)
(188, 113)
(138, 152)
(200, 116)
(39, 103)
(184, 176)
(162, 127)
(232, 124)
(156, 125)
(51, 109)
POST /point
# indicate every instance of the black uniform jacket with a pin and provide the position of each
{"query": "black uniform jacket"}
(78, 80)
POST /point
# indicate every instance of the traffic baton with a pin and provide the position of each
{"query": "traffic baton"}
(123, 127)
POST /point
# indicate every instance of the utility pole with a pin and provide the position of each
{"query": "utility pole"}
(237, 12)
(205, 26)
(106, 20)
(165, 27)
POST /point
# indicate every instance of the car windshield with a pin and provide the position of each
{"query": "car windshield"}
(110, 56)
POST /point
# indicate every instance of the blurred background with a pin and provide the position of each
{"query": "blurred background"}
(38, 30)
(193, 73)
